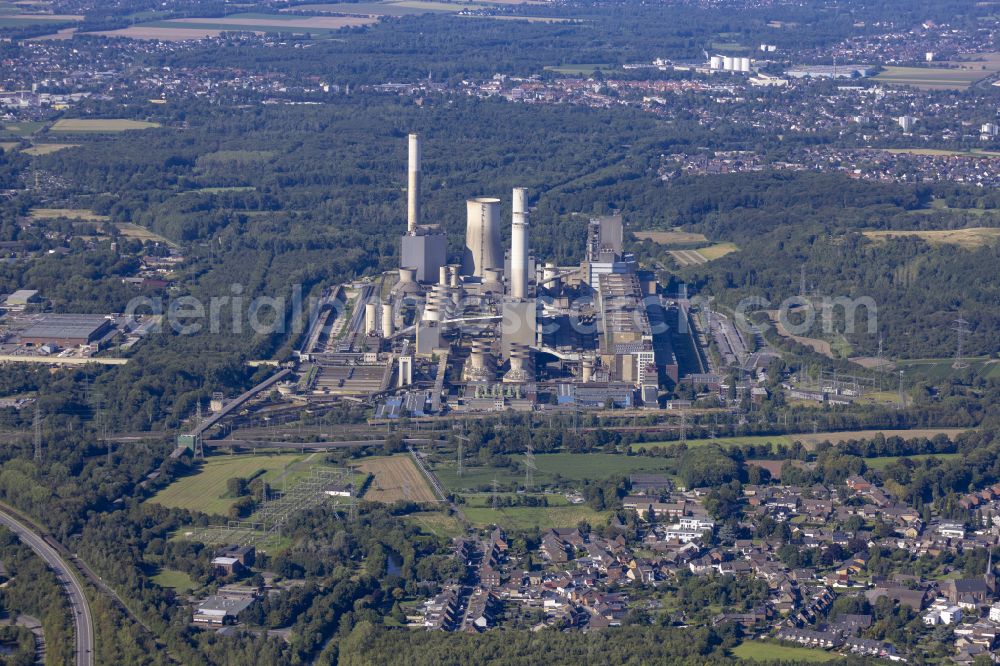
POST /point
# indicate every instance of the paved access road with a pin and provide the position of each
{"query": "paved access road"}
(78, 603)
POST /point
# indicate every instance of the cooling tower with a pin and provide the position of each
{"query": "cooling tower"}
(482, 236)
(413, 185)
(520, 362)
(519, 245)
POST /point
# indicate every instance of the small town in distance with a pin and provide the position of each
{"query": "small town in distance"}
(500, 331)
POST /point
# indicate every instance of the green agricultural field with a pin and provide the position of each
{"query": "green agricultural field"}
(939, 369)
(23, 128)
(722, 441)
(885, 461)
(931, 78)
(219, 190)
(40, 149)
(438, 523)
(204, 490)
(717, 251)
(100, 125)
(765, 651)
(178, 581)
(810, 439)
(578, 70)
(559, 514)
(130, 230)
(382, 8)
(71, 213)
(568, 466)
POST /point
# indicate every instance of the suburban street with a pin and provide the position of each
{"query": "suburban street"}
(82, 619)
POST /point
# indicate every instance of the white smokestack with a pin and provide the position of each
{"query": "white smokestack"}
(519, 245)
(413, 185)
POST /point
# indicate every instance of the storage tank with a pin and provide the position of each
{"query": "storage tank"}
(744, 64)
(482, 236)
(728, 63)
(519, 245)
(371, 326)
(715, 62)
(387, 324)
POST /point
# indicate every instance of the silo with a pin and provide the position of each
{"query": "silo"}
(588, 369)
(371, 326)
(728, 63)
(482, 236)
(387, 324)
(715, 62)
(413, 185)
(744, 64)
(443, 275)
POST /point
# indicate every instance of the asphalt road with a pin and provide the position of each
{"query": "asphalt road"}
(79, 605)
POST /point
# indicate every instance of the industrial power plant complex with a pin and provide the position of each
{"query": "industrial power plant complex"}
(497, 327)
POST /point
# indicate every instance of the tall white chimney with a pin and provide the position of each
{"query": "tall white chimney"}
(519, 245)
(413, 185)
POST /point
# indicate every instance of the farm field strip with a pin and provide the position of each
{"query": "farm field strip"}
(396, 478)
(971, 237)
(809, 439)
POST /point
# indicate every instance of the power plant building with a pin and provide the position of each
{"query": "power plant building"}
(477, 331)
(424, 248)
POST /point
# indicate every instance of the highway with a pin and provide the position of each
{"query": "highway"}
(79, 605)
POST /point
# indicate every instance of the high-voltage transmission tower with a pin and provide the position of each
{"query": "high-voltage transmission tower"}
(38, 432)
(902, 396)
(496, 496)
(529, 468)
(961, 328)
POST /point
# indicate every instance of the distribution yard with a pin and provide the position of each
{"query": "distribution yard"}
(396, 478)
(204, 490)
